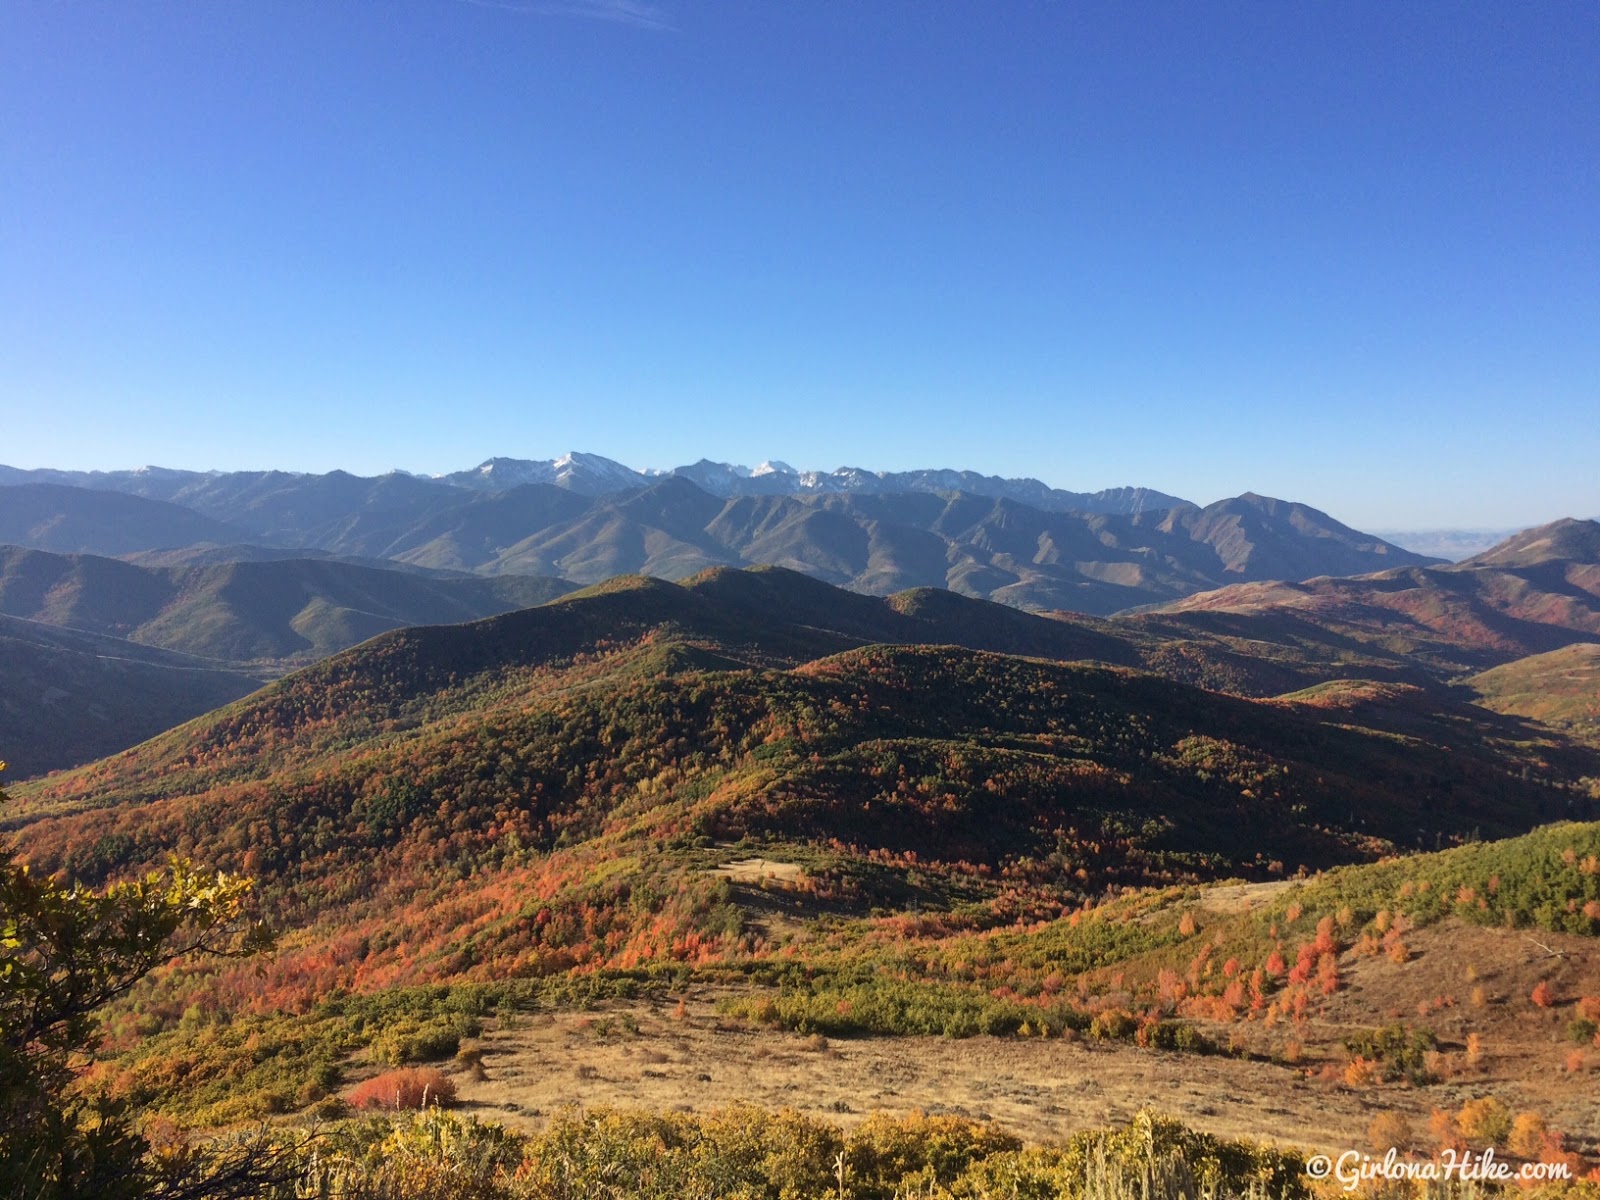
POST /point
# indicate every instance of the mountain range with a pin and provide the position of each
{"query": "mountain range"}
(875, 541)
(1426, 627)
(249, 574)
(596, 475)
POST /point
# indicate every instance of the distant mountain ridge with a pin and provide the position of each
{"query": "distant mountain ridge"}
(596, 475)
(1564, 540)
(670, 526)
(73, 520)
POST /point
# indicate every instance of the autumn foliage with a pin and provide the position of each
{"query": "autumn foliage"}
(408, 1088)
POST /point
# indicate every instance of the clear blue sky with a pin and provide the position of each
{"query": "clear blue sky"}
(1345, 253)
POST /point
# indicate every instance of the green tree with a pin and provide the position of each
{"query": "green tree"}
(66, 951)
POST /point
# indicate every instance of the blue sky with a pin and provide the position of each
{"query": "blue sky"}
(1343, 253)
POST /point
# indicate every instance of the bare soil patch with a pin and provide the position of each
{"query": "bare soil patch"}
(649, 1055)
(642, 1056)
(1229, 898)
(754, 870)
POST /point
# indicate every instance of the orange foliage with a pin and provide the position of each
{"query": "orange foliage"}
(410, 1087)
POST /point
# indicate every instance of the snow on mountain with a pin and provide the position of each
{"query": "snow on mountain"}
(594, 475)
(587, 474)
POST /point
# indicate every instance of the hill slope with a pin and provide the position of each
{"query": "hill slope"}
(1446, 620)
(445, 785)
(1560, 541)
(1560, 689)
(738, 782)
(273, 609)
(74, 520)
(70, 697)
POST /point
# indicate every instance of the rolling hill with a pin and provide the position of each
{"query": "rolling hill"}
(269, 610)
(426, 781)
(1524, 597)
(70, 696)
(1560, 688)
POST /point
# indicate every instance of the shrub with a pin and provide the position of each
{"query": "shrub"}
(470, 1060)
(1442, 1129)
(1112, 1025)
(1395, 1051)
(1156, 1157)
(416, 1043)
(1389, 1130)
(1486, 1121)
(1543, 994)
(1527, 1136)
(1175, 1035)
(1360, 1072)
(934, 1149)
(410, 1087)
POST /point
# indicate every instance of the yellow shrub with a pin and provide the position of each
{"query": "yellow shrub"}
(1527, 1135)
(1484, 1122)
(1389, 1130)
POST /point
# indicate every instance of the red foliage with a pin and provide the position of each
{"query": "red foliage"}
(409, 1087)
